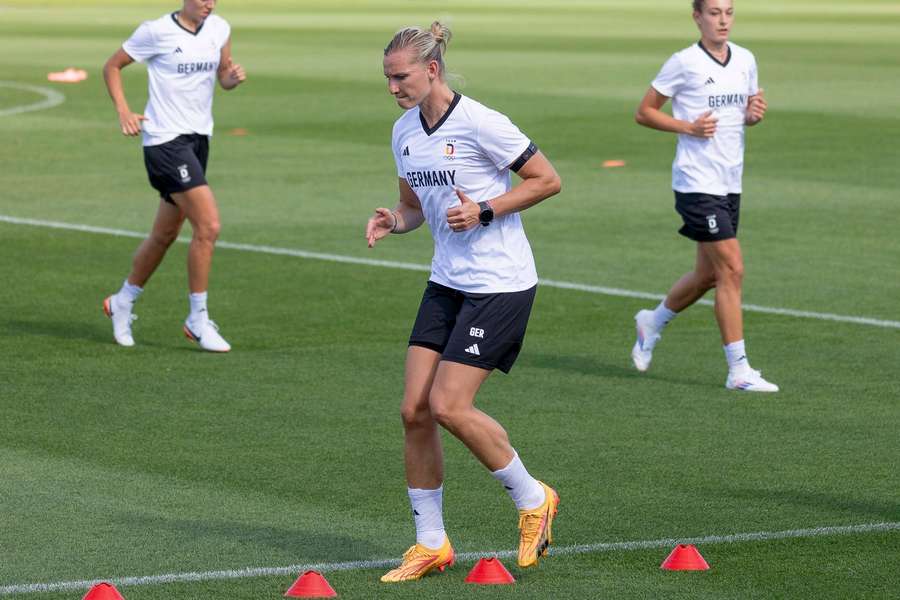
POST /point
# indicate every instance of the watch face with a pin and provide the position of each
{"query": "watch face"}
(487, 213)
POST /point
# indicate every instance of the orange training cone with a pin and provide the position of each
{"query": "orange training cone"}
(103, 591)
(684, 558)
(489, 571)
(311, 585)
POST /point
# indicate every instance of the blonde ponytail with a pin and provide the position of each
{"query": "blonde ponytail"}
(428, 44)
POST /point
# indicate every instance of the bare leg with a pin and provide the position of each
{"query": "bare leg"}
(152, 250)
(693, 285)
(422, 449)
(199, 206)
(452, 404)
(728, 265)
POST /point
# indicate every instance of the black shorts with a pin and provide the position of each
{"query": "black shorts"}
(177, 166)
(482, 330)
(708, 218)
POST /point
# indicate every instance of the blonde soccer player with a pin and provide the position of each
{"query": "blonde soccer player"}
(186, 52)
(454, 157)
(713, 86)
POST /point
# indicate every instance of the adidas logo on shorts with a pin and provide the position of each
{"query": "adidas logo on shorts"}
(473, 349)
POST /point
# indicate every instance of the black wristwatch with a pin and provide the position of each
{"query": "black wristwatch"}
(486, 215)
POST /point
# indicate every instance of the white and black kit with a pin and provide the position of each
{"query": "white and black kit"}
(482, 285)
(182, 71)
(707, 172)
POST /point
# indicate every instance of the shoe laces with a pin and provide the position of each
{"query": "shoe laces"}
(529, 525)
(414, 553)
(212, 324)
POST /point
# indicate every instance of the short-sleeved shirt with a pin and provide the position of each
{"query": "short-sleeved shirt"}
(181, 67)
(697, 82)
(471, 149)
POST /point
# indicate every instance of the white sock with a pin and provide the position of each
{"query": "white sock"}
(198, 308)
(524, 489)
(736, 357)
(128, 295)
(427, 506)
(662, 315)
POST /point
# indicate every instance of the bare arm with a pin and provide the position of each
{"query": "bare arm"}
(539, 182)
(112, 75)
(649, 115)
(406, 216)
(230, 74)
(756, 109)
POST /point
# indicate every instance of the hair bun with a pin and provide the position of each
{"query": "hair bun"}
(440, 33)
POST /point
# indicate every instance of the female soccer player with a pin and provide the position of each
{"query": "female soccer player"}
(453, 159)
(185, 51)
(714, 92)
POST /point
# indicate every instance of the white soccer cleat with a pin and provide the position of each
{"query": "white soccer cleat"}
(749, 381)
(206, 334)
(121, 321)
(647, 336)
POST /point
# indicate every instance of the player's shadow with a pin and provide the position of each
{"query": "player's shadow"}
(822, 502)
(67, 330)
(302, 546)
(591, 366)
(71, 330)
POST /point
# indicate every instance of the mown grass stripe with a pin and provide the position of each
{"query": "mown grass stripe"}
(196, 576)
(389, 264)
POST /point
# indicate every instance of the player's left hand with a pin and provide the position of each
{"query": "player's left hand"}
(234, 75)
(466, 215)
(756, 108)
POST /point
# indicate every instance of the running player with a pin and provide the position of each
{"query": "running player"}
(715, 94)
(454, 158)
(185, 51)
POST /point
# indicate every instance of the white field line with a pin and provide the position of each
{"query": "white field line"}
(51, 98)
(195, 576)
(389, 264)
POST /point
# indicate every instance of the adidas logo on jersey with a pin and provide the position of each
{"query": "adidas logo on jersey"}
(473, 349)
(178, 50)
(406, 151)
(710, 81)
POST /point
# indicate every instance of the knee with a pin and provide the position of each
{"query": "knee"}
(207, 231)
(164, 237)
(731, 275)
(441, 408)
(415, 415)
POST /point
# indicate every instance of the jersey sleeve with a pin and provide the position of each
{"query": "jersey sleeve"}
(501, 140)
(754, 78)
(224, 31)
(670, 78)
(141, 45)
(396, 151)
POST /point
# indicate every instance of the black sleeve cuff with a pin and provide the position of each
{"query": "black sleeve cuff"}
(530, 151)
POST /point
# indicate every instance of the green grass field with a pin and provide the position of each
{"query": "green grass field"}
(160, 459)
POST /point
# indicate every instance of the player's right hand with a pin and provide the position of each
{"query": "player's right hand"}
(131, 123)
(380, 225)
(705, 126)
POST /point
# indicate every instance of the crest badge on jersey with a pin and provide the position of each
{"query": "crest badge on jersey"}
(449, 148)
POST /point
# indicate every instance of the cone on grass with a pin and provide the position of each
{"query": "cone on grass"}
(103, 591)
(684, 557)
(311, 584)
(489, 571)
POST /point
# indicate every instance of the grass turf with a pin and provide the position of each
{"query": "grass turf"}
(162, 459)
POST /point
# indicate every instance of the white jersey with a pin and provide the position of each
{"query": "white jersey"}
(471, 148)
(697, 82)
(181, 67)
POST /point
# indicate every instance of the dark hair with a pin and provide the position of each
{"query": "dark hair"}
(698, 5)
